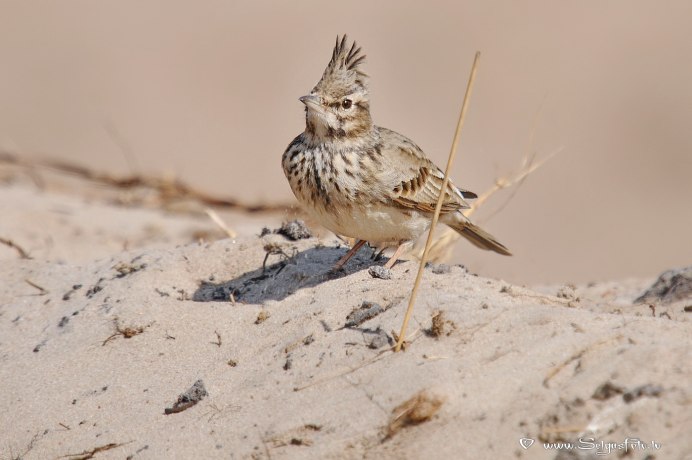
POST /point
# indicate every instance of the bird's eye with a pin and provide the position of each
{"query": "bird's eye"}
(346, 103)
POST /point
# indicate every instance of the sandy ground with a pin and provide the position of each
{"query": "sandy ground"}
(121, 310)
(132, 306)
(209, 91)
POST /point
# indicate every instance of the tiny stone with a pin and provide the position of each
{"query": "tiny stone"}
(360, 315)
(192, 396)
(671, 286)
(439, 269)
(378, 271)
(294, 230)
(606, 391)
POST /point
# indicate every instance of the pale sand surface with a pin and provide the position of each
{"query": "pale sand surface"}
(513, 361)
(207, 92)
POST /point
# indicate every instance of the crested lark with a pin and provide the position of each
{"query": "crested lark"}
(363, 181)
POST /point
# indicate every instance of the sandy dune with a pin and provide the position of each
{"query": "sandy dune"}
(96, 342)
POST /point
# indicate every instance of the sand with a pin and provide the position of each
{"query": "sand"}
(208, 92)
(139, 329)
(122, 310)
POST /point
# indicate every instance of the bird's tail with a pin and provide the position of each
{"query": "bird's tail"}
(478, 237)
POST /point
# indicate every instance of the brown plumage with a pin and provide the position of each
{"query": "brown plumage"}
(364, 181)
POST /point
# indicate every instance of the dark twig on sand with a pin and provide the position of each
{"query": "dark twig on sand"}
(87, 454)
(169, 189)
(42, 290)
(22, 253)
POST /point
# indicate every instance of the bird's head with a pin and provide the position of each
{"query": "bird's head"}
(338, 108)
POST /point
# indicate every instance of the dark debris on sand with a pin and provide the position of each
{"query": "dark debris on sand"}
(671, 286)
(294, 230)
(366, 311)
(195, 394)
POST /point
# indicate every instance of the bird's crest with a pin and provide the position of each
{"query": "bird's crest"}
(343, 75)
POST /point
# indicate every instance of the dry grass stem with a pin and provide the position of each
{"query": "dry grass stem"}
(576, 357)
(442, 245)
(342, 373)
(43, 291)
(438, 207)
(87, 454)
(219, 221)
(127, 332)
(169, 189)
(528, 166)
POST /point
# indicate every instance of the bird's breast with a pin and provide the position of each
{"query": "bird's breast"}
(341, 190)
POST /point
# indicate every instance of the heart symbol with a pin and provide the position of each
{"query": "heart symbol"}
(526, 442)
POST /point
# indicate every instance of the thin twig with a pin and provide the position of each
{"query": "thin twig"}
(528, 166)
(438, 207)
(576, 356)
(219, 221)
(445, 240)
(168, 188)
(43, 290)
(22, 253)
(218, 339)
(351, 370)
(88, 454)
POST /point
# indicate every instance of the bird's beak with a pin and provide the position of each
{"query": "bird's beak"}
(311, 101)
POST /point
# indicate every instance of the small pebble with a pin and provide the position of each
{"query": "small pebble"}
(439, 269)
(378, 271)
(366, 311)
(649, 390)
(294, 230)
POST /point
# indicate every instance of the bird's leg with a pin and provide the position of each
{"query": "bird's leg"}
(392, 260)
(348, 255)
(377, 255)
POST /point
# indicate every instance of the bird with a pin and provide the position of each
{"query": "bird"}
(363, 181)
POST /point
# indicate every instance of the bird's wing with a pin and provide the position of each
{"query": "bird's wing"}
(415, 182)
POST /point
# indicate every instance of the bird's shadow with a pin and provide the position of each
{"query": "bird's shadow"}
(277, 281)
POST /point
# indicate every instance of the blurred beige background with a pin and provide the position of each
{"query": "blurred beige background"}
(208, 91)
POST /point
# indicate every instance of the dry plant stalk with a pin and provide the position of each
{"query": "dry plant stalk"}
(127, 332)
(417, 409)
(219, 221)
(91, 453)
(438, 207)
(168, 189)
(414, 336)
(577, 356)
(444, 242)
(42, 290)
